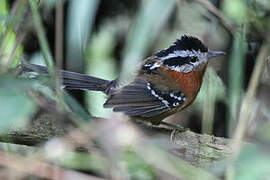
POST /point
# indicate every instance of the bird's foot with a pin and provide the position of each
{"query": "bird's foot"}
(176, 129)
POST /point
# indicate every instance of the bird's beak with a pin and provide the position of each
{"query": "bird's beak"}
(212, 54)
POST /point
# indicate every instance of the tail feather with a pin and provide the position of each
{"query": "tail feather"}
(72, 80)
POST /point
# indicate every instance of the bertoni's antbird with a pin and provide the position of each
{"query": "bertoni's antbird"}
(166, 83)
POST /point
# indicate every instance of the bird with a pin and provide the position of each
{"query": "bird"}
(167, 82)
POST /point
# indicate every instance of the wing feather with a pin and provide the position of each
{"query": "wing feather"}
(134, 107)
(136, 100)
(154, 112)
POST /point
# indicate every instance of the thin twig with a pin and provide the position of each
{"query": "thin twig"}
(59, 34)
(224, 21)
(59, 47)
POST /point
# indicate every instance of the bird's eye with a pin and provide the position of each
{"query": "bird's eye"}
(193, 59)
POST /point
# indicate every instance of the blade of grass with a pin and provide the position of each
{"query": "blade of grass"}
(10, 37)
(4, 18)
(236, 79)
(81, 15)
(246, 106)
(77, 109)
(144, 31)
(213, 90)
(46, 50)
(248, 101)
(42, 37)
(100, 54)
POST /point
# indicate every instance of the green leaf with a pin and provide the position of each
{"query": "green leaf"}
(237, 10)
(16, 108)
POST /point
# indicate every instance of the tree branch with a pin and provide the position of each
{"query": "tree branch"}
(198, 149)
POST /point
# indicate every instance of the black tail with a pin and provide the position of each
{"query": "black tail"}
(72, 80)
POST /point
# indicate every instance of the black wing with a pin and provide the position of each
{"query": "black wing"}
(141, 99)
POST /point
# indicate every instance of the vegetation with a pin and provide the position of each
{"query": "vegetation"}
(108, 39)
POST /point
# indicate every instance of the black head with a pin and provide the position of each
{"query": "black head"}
(185, 43)
(186, 54)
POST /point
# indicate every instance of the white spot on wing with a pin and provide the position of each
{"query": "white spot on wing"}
(165, 102)
(178, 98)
(148, 86)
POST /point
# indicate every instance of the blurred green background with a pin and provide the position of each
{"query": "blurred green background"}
(108, 39)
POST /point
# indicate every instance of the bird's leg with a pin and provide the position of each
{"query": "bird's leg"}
(175, 126)
(177, 129)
